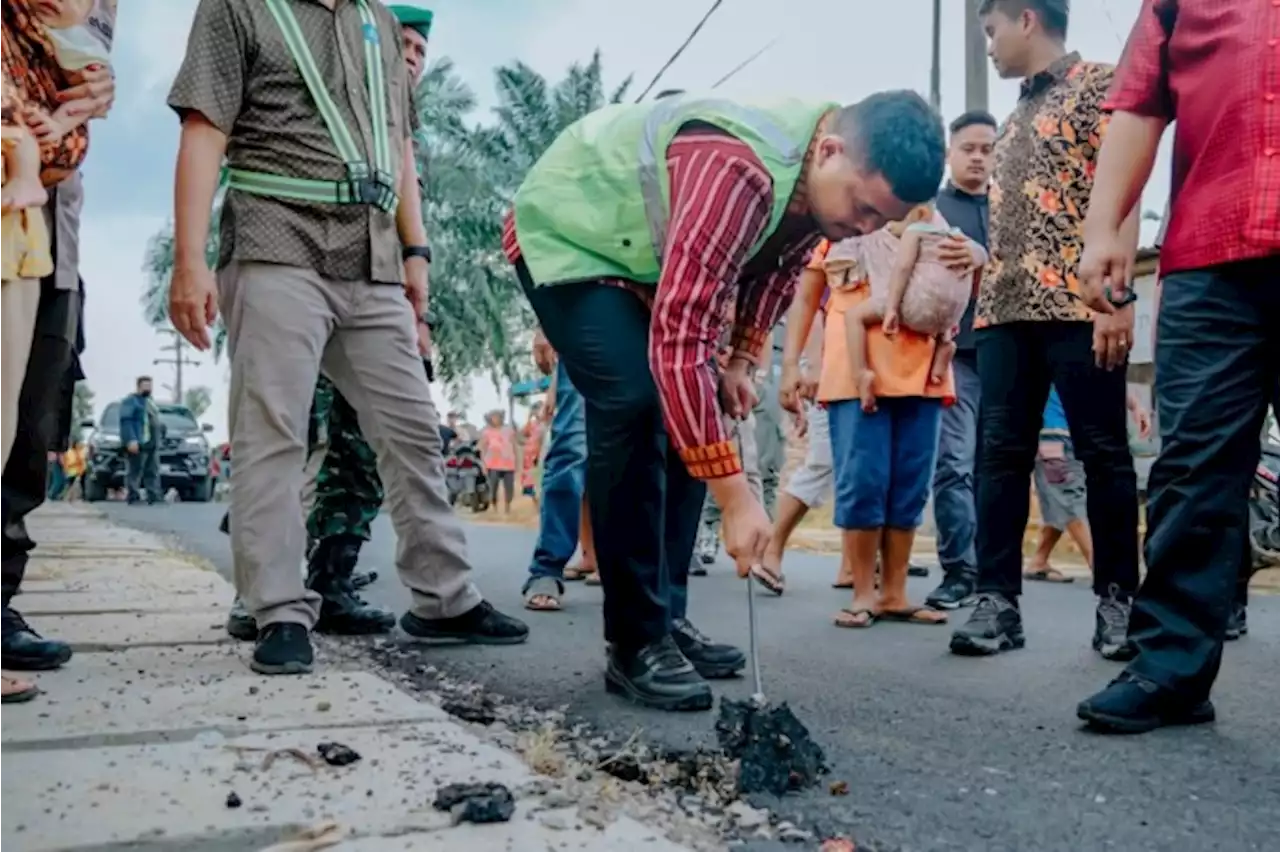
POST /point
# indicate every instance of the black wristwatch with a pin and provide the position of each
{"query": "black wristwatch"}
(423, 252)
(1130, 296)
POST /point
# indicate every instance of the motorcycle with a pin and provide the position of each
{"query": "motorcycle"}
(465, 477)
(1264, 508)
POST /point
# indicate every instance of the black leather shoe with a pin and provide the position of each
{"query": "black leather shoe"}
(283, 649)
(342, 611)
(914, 570)
(657, 676)
(952, 593)
(25, 650)
(1135, 705)
(480, 625)
(712, 660)
(240, 624)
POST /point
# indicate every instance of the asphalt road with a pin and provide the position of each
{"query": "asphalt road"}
(940, 752)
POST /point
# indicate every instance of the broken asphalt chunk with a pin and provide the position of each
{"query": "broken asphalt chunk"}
(337, 754)
(478, 803)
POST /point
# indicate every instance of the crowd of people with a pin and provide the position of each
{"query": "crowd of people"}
(951, 342)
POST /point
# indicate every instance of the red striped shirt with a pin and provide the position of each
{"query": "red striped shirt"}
(721, 199)
(1213, 66)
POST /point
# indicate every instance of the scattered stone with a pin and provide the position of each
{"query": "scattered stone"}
(478, 803)
(323, 706)
(233, 801)
(554, 821)
(557, 799)
(337, 754)
(775, 752)
(476, 709)
(624, 766)
(839, 788)
(788, 833)
(746, 816)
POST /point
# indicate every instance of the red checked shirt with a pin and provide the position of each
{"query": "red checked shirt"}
(1213, 66)
(721, 197)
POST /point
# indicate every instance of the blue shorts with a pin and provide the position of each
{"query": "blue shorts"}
(883, 461)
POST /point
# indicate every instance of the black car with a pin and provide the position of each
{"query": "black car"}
(184, 455)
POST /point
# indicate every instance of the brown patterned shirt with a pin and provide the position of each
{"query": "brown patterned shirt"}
(239, 74)
(1045, 159)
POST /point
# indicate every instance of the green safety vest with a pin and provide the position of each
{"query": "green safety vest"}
(363, 185)
(597, 203)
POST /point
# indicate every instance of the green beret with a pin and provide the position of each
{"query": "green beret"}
(413, 16)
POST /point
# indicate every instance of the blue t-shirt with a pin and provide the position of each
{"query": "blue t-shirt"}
(1055, 416)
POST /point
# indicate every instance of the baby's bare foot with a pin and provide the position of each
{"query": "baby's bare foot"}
(867, 390)
(22, 193)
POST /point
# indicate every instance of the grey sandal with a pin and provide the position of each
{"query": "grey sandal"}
(543, 594)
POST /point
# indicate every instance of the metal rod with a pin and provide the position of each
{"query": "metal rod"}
(757, 688)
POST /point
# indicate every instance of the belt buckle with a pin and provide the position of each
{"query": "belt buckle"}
(368, 191)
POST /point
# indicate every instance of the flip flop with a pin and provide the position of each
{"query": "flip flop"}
(1048, 575)
(592, 579)
(855, 614)
(542, 594)
(840, 584)
(777, 584)
(914, 615)
(18, 691)
(574, 573)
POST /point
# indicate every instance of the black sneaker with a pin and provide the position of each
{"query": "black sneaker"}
(698, 565)
(914, 570)
(952, 593)
(994, 626)
(240, 624)
(1238, 622)
(480, 625)
(360, 579)
(283, 649)
(1135, 705)
(657, 676)
(1111, 628)
(712, 660)
(25, 650)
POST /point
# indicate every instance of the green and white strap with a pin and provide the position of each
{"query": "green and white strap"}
(362, 186)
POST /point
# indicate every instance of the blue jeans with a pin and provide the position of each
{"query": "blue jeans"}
(954, 507)
(883, 461)
(563, 480)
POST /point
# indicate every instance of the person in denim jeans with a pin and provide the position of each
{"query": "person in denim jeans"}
(563, 483)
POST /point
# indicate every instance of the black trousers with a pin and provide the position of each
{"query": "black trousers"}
(644, 505)
(1017, 363)
(38, 431)
(1217, 365)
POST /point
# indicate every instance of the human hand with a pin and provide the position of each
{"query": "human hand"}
(42, 125)
(543, 355)
(424, 339)
(747, 532)
(1105, 267)
(416, 288)
(794, 387)
(193, 303)
(96, 84)
(1142, 419)
(891, 322)
(800, 422)
(1112, 336)
(132, 448)
(956, 254)
(738, 388)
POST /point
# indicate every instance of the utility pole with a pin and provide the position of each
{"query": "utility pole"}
(179, 360)
(975, 59)
(935, 71)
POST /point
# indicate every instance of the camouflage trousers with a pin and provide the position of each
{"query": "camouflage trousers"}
(347, 490)
(707, 544)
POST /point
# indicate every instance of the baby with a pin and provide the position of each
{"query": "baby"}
(910, 285)
(81, 40)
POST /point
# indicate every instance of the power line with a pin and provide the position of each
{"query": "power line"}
(679, 50)
(744, 63)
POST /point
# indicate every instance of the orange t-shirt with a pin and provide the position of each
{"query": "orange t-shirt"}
(901, 363)
(498, 448)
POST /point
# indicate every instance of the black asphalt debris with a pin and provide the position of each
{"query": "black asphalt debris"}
(471, 709)
(337, 754)
(774, 750)
(233, 801)
(478, 803)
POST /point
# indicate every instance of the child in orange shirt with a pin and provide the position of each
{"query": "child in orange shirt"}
(498, 455)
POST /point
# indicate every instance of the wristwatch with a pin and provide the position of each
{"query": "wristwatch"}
(423, 252)
(1128, 298)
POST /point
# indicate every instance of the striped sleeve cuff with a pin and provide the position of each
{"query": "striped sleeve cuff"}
(749, 342)
(714, 461)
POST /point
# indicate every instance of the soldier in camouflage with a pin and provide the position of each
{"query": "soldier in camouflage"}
(346, 491)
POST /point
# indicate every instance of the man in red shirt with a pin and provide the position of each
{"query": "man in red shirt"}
(1213, 66)
(633, 237)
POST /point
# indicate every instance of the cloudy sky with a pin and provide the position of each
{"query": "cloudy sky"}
(836, 50)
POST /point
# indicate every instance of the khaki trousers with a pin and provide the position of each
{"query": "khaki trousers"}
(285, 324)
(19, 301)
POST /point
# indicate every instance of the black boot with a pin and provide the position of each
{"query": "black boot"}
(26, 650)
(341, 610)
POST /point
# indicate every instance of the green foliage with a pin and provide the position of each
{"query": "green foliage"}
(81, 410)
(197, 399)
(483, 323)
